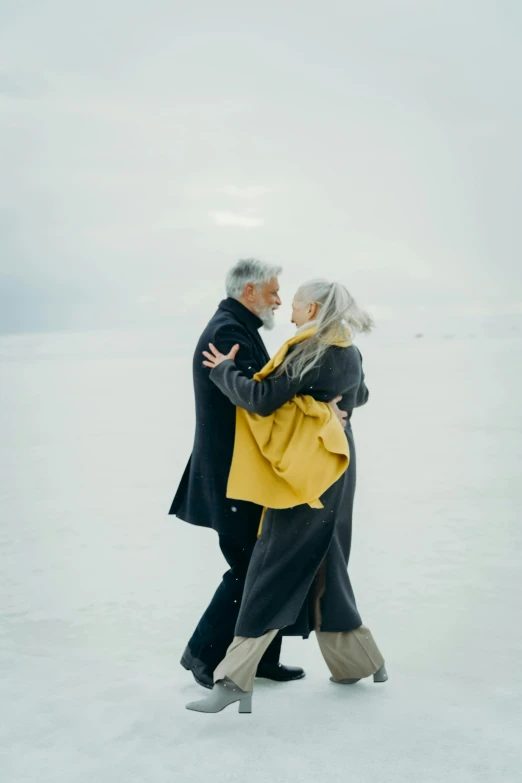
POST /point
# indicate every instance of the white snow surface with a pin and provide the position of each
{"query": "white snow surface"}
(100, 589)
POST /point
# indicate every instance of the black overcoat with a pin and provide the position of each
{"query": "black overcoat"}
(280, 586)
(201, 496)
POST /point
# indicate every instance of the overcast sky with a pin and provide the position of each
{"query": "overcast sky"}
(147, 145)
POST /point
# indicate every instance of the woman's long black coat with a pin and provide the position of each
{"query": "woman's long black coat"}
(280, 585)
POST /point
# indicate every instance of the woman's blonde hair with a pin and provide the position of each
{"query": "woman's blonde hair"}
(338, 318)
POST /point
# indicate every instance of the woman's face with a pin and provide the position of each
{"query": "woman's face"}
(301, 313)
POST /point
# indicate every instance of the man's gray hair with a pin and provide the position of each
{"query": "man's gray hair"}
(249, 270)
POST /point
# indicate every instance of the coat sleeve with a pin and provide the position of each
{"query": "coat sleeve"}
(262, 397)
(362, 395)
(228, 336)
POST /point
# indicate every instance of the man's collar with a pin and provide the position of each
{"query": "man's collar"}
(242, 313)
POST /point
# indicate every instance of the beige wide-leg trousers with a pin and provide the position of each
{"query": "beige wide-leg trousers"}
(347, 654)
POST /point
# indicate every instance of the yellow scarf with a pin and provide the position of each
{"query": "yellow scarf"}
(293, 456)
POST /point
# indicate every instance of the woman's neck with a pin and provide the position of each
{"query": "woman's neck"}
(307, 325)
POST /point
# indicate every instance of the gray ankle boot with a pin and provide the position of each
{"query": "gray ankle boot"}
(224, 692)
(380, 675)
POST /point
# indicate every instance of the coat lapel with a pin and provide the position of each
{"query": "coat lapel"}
(248, 319)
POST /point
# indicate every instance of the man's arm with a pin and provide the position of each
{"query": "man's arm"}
(362, 395)
(361, 398)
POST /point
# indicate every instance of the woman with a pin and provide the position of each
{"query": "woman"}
(297, 578)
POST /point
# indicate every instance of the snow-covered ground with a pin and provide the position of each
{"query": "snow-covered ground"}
(100, 589)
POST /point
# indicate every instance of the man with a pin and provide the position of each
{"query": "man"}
(252, 298)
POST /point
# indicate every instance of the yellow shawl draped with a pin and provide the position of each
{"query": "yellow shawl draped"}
(292, 456)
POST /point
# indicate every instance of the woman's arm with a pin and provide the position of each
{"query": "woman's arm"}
(261, 397)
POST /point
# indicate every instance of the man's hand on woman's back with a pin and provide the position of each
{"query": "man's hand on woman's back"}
(339, 413)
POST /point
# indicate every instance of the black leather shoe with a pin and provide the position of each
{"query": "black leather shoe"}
(278, 672)
(200, 671)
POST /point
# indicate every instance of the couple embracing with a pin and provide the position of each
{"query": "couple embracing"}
(273, 472)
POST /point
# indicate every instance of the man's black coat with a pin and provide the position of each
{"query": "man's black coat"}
(201, 497)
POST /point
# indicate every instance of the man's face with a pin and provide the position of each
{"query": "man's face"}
(267, 302)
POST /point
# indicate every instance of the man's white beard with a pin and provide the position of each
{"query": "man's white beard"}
(268, 318)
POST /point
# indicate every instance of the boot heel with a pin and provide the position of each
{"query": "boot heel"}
(184, 662)
(381, 675)
(245, 703)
